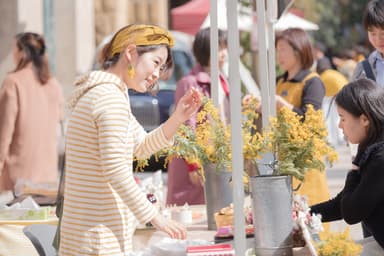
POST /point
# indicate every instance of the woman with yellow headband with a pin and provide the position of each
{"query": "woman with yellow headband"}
(101, 198)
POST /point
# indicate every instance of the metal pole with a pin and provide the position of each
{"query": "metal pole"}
(271, 20)
(263, 61)
(214, 40)
(49, 33)
(236, 131)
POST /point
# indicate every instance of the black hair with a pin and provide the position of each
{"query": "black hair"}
(374, 15)
(323, 64)
(201, 45)
(320, 46)
(365, 97)
(33, 47)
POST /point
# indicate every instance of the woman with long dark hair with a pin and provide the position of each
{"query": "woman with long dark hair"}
(30, 112)
(360, 105)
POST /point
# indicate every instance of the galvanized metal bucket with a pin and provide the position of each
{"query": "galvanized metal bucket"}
(272, 214)
(218, 192)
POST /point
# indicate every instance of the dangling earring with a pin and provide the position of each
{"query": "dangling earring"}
(131, 72)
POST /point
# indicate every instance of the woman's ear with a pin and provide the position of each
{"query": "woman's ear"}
(130, 52)
(364, 120)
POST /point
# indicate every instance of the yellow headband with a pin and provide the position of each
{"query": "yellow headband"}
(140, 35)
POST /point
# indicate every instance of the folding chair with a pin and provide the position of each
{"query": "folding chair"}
(41, 236)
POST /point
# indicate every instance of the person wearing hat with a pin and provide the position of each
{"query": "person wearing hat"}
(101, 198)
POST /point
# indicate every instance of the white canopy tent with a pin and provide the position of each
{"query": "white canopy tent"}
(246, 19)
(290, 20)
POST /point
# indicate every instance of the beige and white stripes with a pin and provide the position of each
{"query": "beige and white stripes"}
(102, 198)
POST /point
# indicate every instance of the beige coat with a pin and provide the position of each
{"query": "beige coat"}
(29, 118)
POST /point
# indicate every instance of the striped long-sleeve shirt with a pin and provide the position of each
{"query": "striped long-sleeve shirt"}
(101, 197)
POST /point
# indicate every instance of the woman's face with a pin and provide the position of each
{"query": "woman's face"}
(376, 38)
(354, 128)
(148, 67)
(286, 56)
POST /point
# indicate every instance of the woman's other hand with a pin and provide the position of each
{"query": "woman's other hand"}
(171, 227)
(248, 101)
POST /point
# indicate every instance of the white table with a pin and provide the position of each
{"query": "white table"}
(197, 230)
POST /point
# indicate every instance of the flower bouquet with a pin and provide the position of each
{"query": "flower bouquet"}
(298, 145)
(338, 244)
(210, 141)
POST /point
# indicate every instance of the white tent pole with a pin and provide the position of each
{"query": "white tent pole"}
(214, 65)
(236, 131)
(263, 61)
(271, 20)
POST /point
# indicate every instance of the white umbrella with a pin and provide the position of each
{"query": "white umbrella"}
(290, 20)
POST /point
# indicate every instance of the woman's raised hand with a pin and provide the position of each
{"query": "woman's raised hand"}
(188, 105)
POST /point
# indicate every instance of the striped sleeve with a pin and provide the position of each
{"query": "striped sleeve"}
(112, 120)
(151, 143)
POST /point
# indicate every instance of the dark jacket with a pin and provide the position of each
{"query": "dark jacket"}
(362, 198)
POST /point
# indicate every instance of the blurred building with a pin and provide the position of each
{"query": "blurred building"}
(113, 14)
(72, 28)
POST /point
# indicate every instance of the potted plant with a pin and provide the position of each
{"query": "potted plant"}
(210, 141)
(297, 146)
(208, 145)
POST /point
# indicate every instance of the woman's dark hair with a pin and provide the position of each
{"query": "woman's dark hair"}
(33, 47)
(201, 45)
(374, 15)
(364, 97)
(298, 39)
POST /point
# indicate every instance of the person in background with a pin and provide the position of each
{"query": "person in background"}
(360, 105)
(297, 87)
(319, 50)
(373, 22)
(333, 81)
(101, 198)
(345, 62)
(31, 107)
(184, 182)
